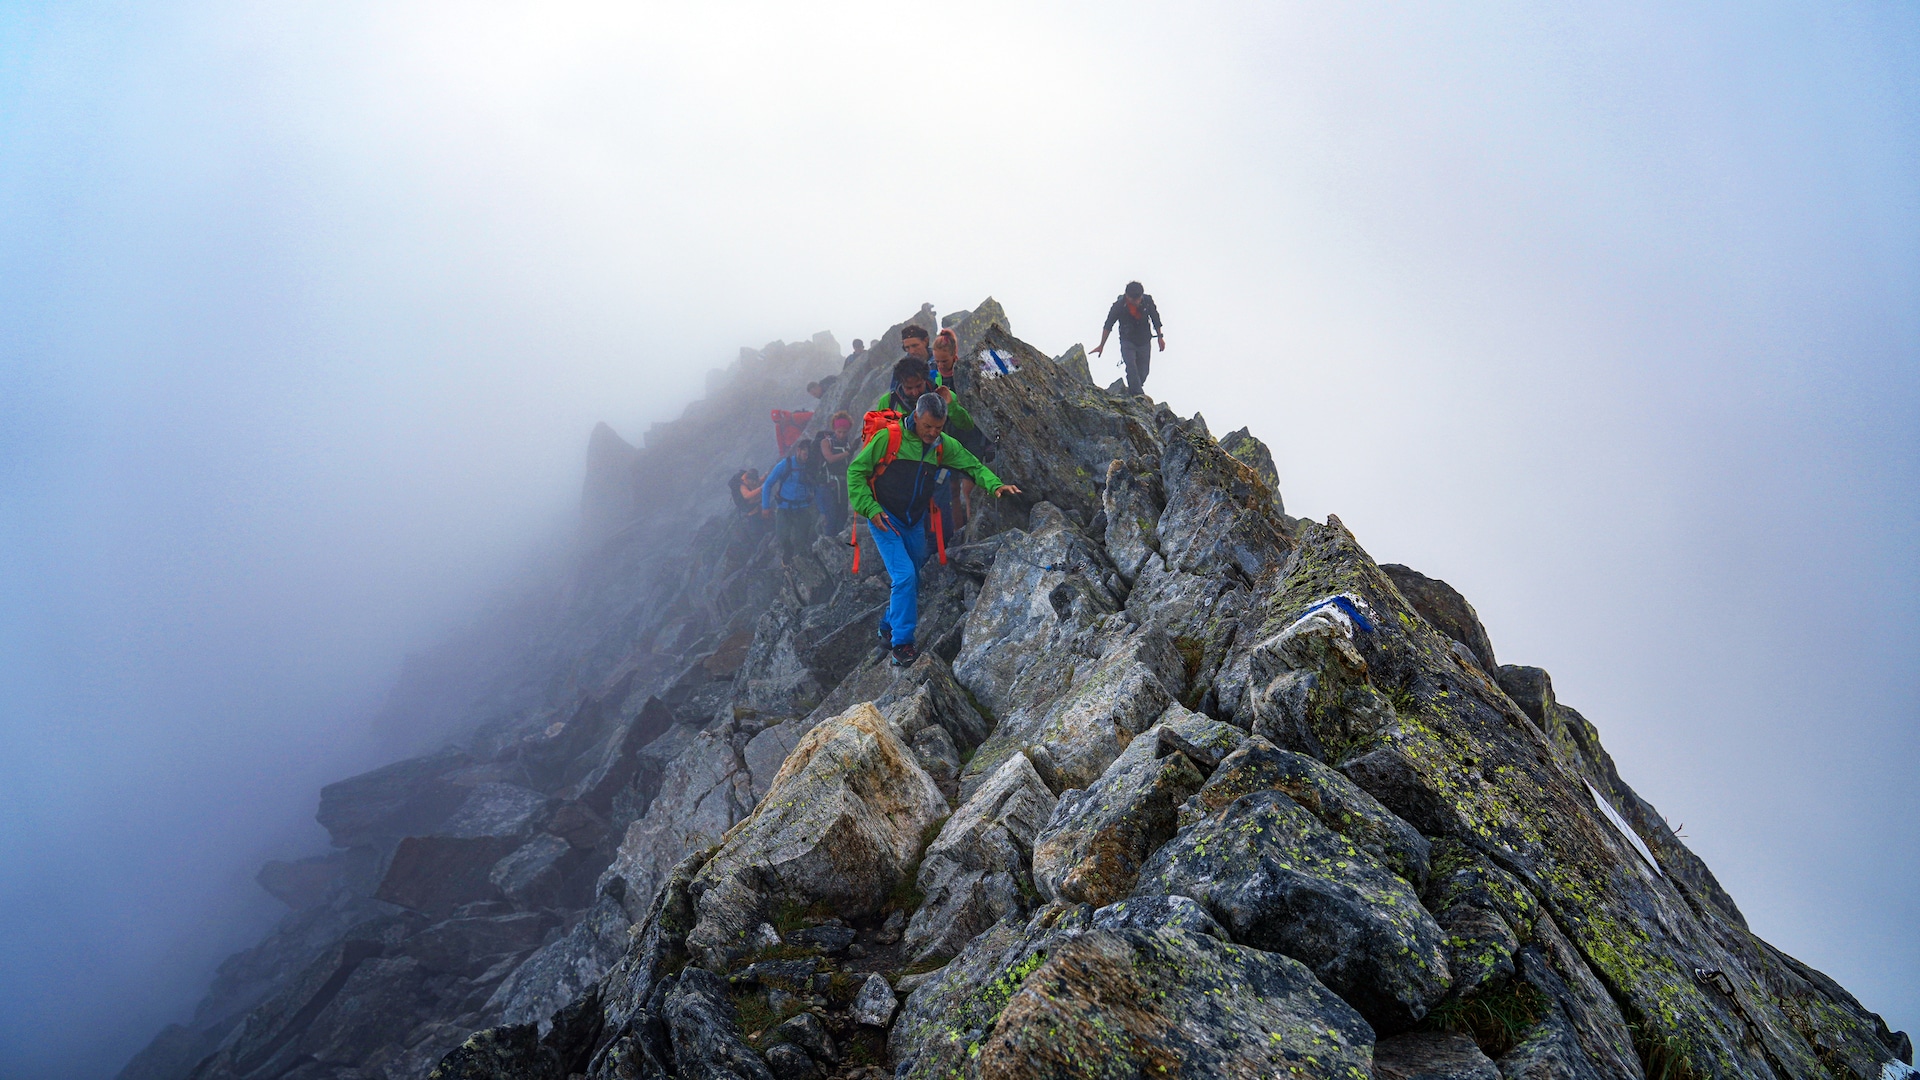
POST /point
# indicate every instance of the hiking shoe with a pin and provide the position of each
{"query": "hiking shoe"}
(905, 655)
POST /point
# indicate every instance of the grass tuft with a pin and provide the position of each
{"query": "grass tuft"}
(1496, 1019)
(1663, 1056)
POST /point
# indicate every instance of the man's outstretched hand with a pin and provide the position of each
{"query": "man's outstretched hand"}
(1005, 489)
(879, 521)
(1100, 348)
(1163, 343)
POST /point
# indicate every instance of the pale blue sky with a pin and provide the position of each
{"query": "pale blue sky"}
(1607, 314)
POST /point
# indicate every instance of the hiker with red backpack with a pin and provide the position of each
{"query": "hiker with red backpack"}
(890, 483)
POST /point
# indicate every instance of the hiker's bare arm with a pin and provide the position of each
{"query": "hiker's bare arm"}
(946, 394)
(1103, 341)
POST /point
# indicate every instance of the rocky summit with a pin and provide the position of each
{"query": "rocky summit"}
(1179, 785)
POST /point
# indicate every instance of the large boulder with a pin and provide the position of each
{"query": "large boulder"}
(471, 945)
(1445, 610)
(1093, 847)
(975, 872)
(405, 798)
(455, 865)
(706, 1033)
(841, 823)
(1144, 988)
(1070, 678)
(566, 967)
(704, 792)
(1339, 803)
(1278, 879)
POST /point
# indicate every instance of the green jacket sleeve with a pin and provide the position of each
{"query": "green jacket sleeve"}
(957, 457)
(860, 475)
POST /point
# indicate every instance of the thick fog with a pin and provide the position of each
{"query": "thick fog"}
(1609, 315)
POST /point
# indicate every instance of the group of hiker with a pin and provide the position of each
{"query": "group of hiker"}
(911, 473)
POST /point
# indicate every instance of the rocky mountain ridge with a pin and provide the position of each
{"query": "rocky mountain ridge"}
(1180, 785)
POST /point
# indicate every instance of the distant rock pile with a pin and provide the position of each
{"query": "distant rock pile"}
(1179, 786)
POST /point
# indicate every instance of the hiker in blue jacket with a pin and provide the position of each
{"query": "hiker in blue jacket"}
(792, 490)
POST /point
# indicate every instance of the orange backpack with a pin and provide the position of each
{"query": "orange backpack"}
(894, 425)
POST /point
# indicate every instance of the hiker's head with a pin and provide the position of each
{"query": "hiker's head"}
(914, 339)
(859, 346)
(750, 476)
(842, 423)
(803, 451)
(814, 389)
(1135, 290)
(929, 417)
(946, 353)
(910, 376)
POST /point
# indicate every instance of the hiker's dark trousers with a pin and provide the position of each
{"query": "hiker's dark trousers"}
(793, 531)
(1136, 358)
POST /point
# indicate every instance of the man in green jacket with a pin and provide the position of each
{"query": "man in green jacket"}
(896, 502)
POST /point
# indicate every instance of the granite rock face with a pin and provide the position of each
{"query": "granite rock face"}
(840, 825)
(979, 870)
(1179, 786)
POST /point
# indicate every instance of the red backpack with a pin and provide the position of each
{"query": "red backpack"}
(894, 425)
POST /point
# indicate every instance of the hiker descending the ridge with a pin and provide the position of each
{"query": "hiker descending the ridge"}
(791, 492)
(890, 483)
(1139, 321)
(834, 448)
(913, 376)
(744, 486)
(945, 368)
(948, 374)
(910, 381)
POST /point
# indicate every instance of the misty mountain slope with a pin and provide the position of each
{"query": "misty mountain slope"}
(1178, 786)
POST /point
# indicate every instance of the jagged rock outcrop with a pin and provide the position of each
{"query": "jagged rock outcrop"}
(979, 869)
(1180, 786)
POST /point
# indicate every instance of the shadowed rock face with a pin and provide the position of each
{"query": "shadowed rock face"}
(1181, 786)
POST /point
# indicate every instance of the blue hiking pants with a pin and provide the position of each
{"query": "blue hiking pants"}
(903, 550)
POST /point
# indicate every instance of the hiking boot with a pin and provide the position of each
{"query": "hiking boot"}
(905, 655)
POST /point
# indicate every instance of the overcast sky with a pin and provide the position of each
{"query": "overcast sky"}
(1607, 314)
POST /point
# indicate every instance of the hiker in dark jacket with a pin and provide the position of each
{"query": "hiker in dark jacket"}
(910, 382)
(834, 448)
(896, 503)
(1139, 323)
(745, 488)
(791, 492)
